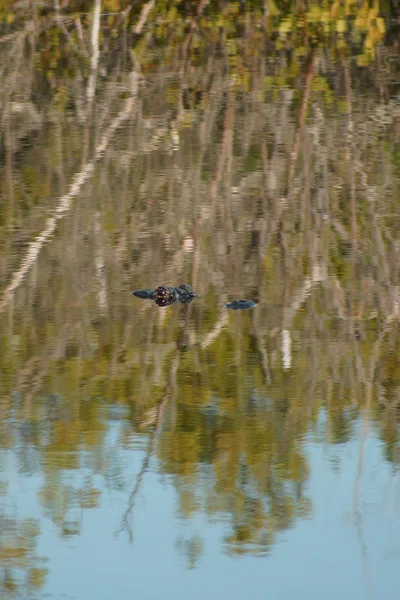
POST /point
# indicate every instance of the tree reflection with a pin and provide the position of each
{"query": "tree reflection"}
(232, 146)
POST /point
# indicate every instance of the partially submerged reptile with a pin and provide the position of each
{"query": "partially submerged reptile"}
(240, 304)
(165, 295)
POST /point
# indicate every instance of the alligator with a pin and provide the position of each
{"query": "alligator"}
(241, 304)
(164, 295)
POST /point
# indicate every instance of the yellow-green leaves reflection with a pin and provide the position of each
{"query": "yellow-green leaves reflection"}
(21, 569)
(259, 160)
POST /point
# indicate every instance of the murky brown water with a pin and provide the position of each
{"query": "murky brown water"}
(192, 450)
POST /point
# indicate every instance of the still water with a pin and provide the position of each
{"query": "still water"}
(192, 450)
(339, 549)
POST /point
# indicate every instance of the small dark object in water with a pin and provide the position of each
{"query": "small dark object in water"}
(240, 304)
(145, 294)
(164, 296)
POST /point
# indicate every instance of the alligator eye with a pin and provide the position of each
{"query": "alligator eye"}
(161, 291)
(162, 301)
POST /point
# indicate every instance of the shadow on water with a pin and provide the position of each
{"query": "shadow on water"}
(250, 149)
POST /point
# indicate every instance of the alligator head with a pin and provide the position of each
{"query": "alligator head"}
(164, 295)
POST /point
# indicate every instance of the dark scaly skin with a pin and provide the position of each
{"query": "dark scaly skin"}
(164, 295)
(241, 304)
(145, 294)
(185, 293)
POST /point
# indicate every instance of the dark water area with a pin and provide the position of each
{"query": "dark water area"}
(242, 441)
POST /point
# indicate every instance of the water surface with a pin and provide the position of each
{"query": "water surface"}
(192, 450)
